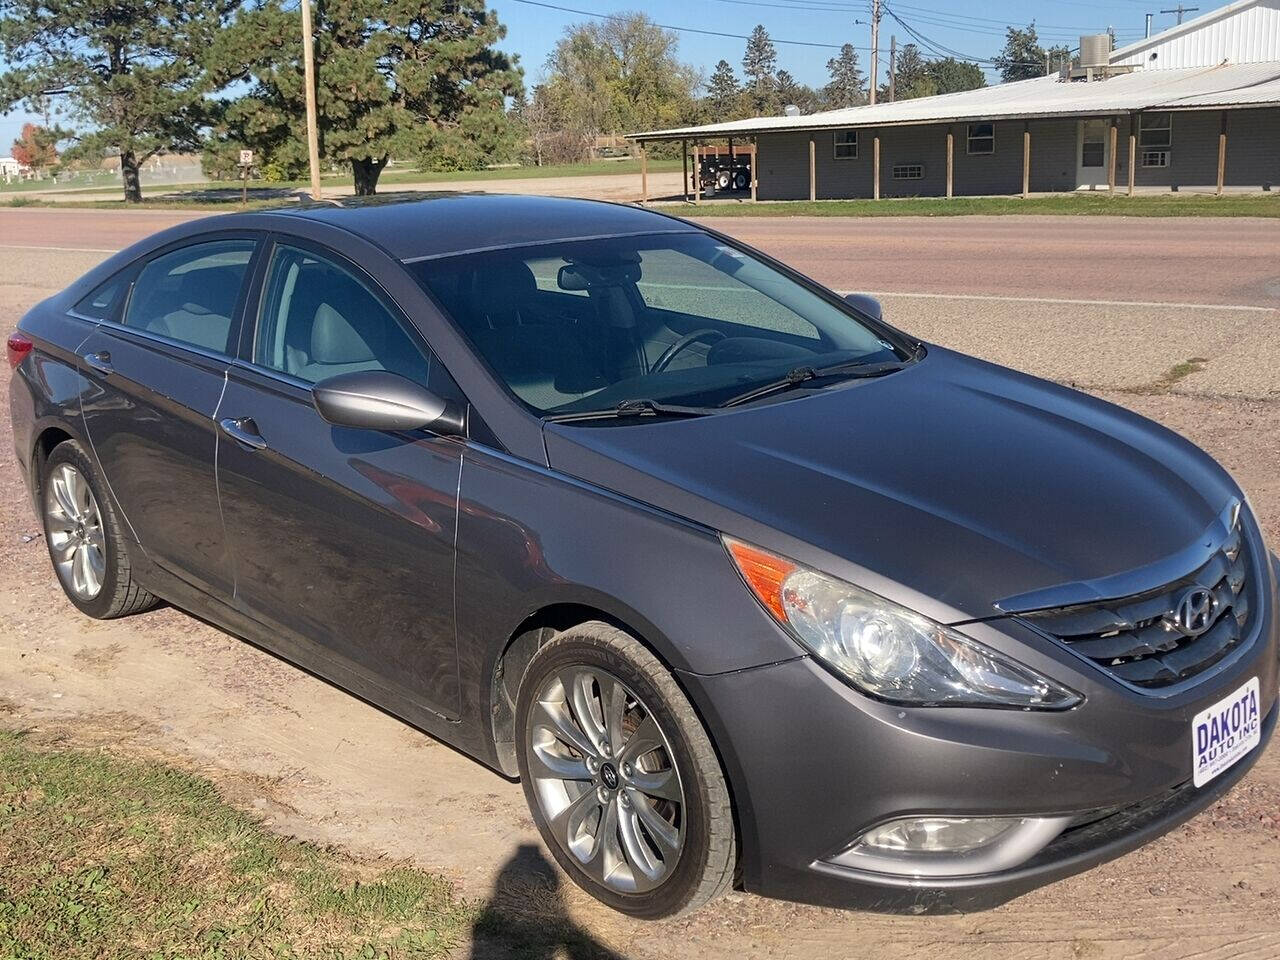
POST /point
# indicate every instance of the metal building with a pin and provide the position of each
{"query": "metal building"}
(1195, 107)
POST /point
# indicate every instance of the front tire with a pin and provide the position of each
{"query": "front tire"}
(86, 545)
(621, 777)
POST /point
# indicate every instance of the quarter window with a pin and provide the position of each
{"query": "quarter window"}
(1155, 130)
(319, 320)
(190, 295)
(982, 138)
(101, 304)
(846, 144)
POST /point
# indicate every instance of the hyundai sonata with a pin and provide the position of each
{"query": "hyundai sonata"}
(744, 584)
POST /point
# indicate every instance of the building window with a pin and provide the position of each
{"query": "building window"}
(1155, 130)
(908, 171)
(1155, 158)
(846, 144)
(982, 138)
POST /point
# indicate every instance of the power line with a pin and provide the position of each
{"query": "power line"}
(667, 26)
(945, 51)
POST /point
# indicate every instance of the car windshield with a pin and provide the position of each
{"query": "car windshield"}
(678, 318)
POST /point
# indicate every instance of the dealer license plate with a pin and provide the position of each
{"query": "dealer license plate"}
(1225, 732)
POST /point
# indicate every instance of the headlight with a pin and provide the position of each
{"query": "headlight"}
(886, 650)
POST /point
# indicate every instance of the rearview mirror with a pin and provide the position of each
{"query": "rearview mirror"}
(865, 303)
(378, 400)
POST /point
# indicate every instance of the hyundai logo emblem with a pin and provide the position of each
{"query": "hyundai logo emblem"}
(1195, 612)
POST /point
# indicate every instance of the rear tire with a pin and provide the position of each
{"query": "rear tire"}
(638, 812)
(87, 546)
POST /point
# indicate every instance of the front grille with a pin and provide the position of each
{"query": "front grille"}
(1137, 639)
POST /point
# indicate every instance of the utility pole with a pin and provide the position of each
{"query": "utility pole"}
(309, 77)
(875, 50)
(1180, 10)
(893, 66)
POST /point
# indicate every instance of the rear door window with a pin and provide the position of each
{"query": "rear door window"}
(190, 294)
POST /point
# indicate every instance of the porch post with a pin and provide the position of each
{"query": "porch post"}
(1026, 159)
(1222, 153)
(1133, 147)
(875, 167)
(951, 160)
(755, 158)
(697, 175)
(1111, 165)
(644, 175)
(813, 168)
(684, 165)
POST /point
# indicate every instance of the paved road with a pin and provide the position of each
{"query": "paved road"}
(1099, 259)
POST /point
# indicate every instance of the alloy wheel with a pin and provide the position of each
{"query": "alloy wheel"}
(605, 778)
(76, 537)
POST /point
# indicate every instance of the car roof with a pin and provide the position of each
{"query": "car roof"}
(419, 227)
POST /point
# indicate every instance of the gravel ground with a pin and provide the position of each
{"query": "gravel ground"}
(322, 765)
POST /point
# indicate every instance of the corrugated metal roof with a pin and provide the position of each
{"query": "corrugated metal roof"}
(1247, 31)
(1226, 86)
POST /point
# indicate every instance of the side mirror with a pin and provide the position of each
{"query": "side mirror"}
(378, 400)
(865, 303)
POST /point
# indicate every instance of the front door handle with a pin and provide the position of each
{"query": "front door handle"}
(243, 431)
(100, 361)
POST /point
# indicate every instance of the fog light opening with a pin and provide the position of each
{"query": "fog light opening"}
(942, 846)
(937, 834)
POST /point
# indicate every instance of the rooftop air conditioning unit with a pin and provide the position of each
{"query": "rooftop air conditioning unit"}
(1095, 50)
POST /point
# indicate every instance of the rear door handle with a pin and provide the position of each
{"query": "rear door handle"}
(243, 431)
(100, 361)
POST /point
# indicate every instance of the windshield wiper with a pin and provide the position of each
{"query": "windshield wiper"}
(631, 408)
(801, 375)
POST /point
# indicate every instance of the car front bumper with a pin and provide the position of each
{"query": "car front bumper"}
(814, 763)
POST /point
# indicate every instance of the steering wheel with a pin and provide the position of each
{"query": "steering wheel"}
(669, 354)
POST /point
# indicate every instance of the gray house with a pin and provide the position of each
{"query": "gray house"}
(1197, 106)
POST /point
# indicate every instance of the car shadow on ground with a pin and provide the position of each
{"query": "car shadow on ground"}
(525, 916)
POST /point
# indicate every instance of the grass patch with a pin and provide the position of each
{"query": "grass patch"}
(1070, 204)
(1171, 377)
(105, 857)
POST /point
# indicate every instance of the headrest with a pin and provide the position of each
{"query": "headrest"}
(501, 290)
(335, 340)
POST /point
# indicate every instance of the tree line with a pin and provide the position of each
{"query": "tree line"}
(421, 81)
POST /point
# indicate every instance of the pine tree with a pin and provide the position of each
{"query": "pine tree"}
(845, 88)
(723, 94)
(793, 93)
(759, 66)
(414, 78)
(131, 70)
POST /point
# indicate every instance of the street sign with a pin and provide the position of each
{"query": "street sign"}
(246, 158)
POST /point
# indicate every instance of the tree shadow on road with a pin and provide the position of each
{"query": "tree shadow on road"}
(525, 917)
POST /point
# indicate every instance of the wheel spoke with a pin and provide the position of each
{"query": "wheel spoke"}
(577, 688)
(80, 573)
(639, 855)
(647, 738)
(62, 545)
(566, 823)
(65, 502)
(614, 697)
(660, 831)
(662, 785)
(605, 853)
(81, 495)
(544, 762)
(555, 717)
(96, 567)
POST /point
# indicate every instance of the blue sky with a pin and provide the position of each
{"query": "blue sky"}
(971, 27)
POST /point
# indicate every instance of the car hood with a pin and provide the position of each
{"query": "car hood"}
(951, 485)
